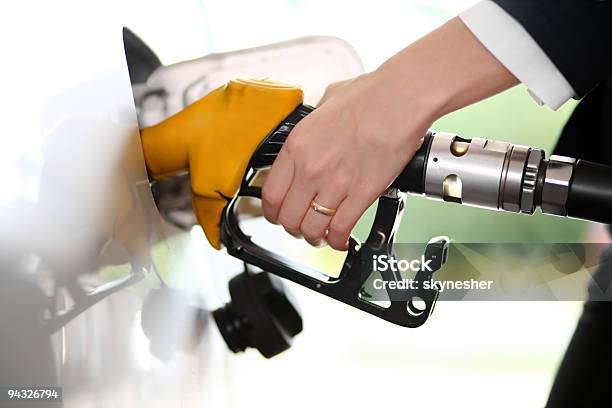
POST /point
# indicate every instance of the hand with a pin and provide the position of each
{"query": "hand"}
(343, 156)
(352, 147)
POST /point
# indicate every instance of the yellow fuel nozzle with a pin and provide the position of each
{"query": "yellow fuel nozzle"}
(214, 139)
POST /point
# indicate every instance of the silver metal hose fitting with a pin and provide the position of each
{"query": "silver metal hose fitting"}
(483, 173)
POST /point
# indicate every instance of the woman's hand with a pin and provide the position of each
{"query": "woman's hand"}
(350, 149)
(342, 156)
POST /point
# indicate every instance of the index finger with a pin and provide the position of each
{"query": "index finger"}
(276, 186)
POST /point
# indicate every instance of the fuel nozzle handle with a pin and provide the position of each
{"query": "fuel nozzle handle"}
(503, 176)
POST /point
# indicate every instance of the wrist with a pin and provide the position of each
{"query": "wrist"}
(412, 94)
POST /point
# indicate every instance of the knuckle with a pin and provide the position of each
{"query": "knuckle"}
(293, 145)
(289, 224)
(295, 142)
(313, 170)
(341, 179)
(270, 196)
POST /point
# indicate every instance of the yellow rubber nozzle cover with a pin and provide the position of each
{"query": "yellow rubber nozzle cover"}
(214, 139)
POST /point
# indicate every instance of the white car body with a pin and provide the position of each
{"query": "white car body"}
(82, 244)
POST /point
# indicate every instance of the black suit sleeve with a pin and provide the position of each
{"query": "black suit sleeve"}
(575, 34)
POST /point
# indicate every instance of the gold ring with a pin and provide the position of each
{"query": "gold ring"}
(321, 209)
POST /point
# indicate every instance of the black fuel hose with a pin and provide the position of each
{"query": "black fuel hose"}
(590, 192)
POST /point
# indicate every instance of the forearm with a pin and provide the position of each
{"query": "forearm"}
(446, 70)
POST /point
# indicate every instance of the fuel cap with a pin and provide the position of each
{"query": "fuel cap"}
(261, 314)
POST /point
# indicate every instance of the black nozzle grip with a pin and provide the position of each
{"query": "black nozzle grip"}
(268, 149)
(412, 178)
(590, 194)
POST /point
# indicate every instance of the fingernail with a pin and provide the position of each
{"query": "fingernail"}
(318, 244)
(269, 218)
(293, 234)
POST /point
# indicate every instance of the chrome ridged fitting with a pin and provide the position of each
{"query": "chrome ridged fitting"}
(532, 168)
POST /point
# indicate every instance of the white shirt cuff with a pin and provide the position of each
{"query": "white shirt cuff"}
(512, 45)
